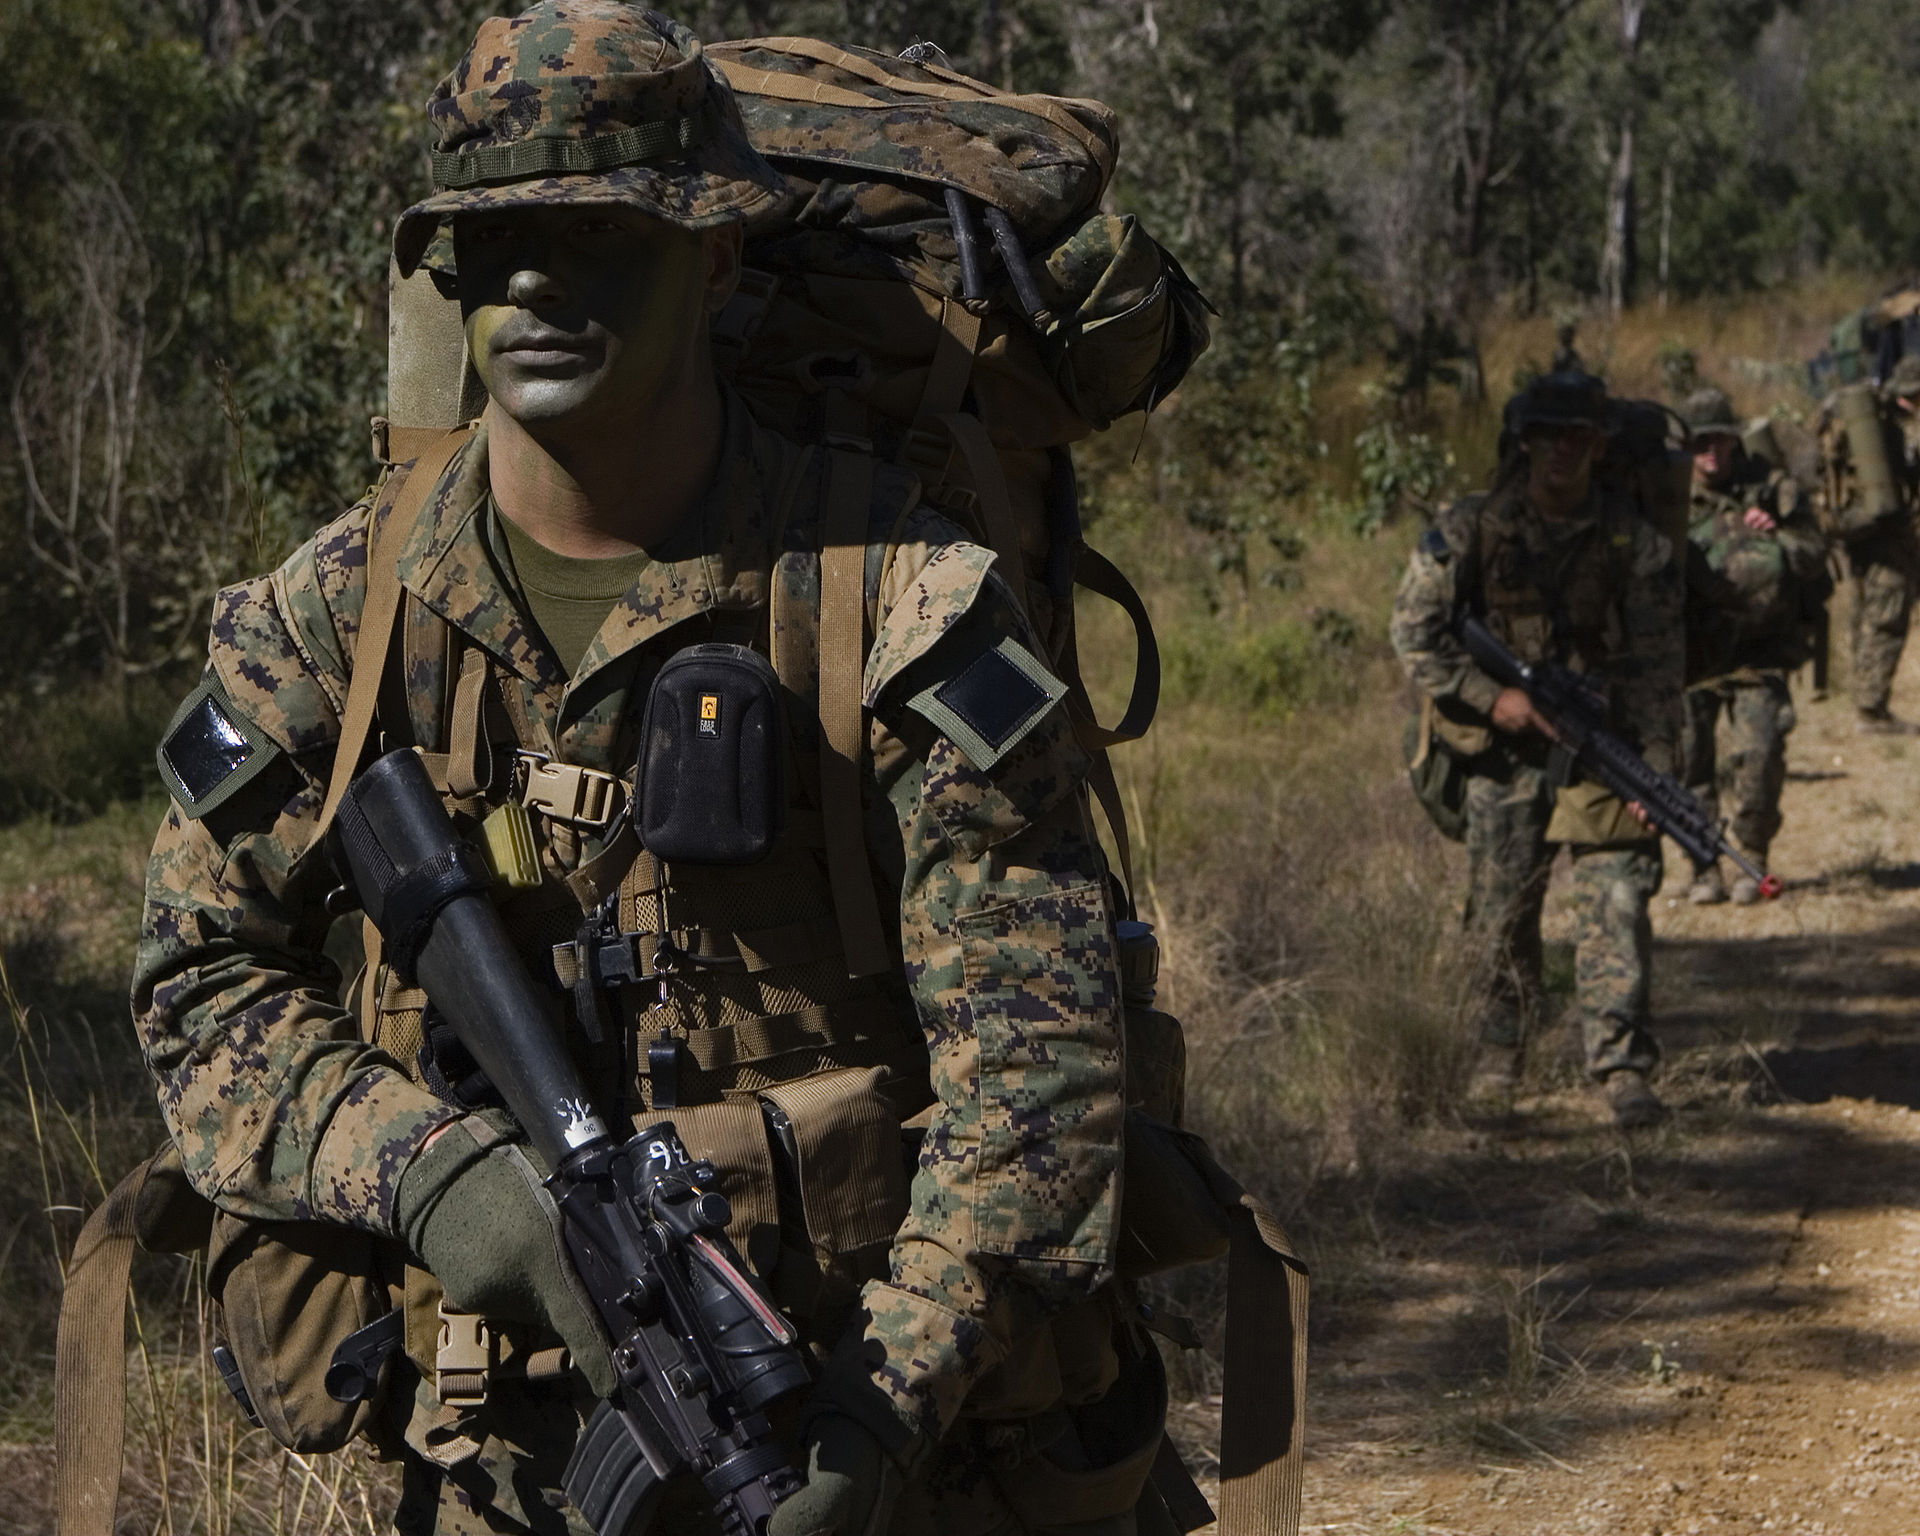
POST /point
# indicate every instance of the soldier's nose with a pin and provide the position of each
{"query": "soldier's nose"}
(531, 288)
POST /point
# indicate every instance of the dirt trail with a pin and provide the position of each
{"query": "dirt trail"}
(1712, 1327)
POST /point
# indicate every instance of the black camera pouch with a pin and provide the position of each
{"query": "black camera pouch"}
(710, 787)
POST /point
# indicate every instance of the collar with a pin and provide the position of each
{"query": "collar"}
(720, 558)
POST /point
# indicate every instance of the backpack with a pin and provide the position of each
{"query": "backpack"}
(969, 320)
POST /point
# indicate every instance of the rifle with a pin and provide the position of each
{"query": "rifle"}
(699, 1350)
(1578, 713)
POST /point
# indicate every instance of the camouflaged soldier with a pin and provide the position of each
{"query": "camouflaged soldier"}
(1882, 548)
(613, 505)
(1756, 585)
(1560, 569)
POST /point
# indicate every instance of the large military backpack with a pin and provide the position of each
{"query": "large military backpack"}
(942, 291)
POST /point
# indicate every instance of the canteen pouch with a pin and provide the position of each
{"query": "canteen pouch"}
(289, 1293)
(710, 785)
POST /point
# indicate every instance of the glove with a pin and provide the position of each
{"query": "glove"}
(473, 1208)
(850, 1488)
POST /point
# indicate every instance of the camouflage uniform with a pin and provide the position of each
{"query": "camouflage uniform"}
(1613, 609)
(1752, 599)
(1883, 560)
(999, 1019)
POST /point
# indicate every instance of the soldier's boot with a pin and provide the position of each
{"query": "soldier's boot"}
(1746, 889)
(1493, 1082)
(1634, 1104)
(1709, 887)
(1883, 722)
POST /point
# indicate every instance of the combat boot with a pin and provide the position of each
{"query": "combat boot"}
(1709, 888)
(1746, 889)
(1634, 1104)
(1883, 722)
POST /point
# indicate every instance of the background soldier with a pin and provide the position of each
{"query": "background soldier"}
(1756, 586)
(1871, 494)
(1560, 569)
(615, 505)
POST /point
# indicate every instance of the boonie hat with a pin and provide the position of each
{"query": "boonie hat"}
(1709, 413)
(582, 102)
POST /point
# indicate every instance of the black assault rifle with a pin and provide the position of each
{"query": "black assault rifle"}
(1577, 711)
(698, 1349)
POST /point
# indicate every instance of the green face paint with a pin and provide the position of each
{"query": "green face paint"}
(576, 315)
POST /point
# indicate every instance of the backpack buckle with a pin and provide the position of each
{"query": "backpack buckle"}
(585, 797)
(466, 1358)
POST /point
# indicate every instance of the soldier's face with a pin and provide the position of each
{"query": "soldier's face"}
(1713, 457)
(1560, 461)
(584, 316)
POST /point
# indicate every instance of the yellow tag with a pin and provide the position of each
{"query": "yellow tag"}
(709, 714)
(506, 838)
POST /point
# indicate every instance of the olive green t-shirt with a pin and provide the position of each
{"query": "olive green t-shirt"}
(568, 598)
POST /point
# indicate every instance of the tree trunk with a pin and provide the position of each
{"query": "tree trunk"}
(1618, 253)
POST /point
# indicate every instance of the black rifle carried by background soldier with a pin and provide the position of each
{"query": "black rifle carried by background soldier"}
(1577, 711)
(699, 1351)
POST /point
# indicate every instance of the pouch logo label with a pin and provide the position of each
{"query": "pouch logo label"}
(709, 714)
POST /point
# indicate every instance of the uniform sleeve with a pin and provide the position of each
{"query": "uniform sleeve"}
(1653, 672)
(1008, 947)
(1423, 615)
(1801, 541)
(280, 1112)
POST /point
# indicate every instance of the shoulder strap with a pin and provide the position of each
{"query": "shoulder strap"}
(843, 610)
(380, 616)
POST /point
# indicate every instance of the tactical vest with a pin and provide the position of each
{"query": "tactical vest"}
(1561, 603)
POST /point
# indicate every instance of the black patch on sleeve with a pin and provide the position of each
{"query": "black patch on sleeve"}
(994, 697)
(210, 751)
(1433, 542)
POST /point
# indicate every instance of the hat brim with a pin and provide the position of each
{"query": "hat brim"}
(1716, 429)
(727, 182)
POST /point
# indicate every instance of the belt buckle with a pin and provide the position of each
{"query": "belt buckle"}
(467, 1357)
(586, 797)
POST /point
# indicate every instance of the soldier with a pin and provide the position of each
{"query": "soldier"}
(613, 505)
(1560, 568)
(1875, 521)
(1756, 586)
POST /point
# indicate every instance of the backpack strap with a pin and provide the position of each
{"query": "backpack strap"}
(844, 521)
(1263, 1398)
(153, 1207)
(380, 617)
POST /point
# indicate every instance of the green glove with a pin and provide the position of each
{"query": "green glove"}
(473, 1208)
(850, 1488)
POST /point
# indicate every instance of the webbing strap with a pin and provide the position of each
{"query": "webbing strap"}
(843, 608)
(469, 750)
(1002, 528)
(952, 365)
(526, 158)
(1106, 790)
(748, 81)
(1263, 1417)
(727, 1046)
(90, 1366)
(1099, 575)
(379, 617)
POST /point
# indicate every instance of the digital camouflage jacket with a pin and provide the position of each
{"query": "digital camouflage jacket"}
(1752, 595)
(983, 852)
(1598, 592)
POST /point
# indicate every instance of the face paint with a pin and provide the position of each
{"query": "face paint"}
(579, 316)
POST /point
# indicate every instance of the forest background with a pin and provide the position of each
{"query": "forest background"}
(1391, 202)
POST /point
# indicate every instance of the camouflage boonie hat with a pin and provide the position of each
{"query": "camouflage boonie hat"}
(587, 101)
(1565, 399)
(1904, 382)
(1709, 413)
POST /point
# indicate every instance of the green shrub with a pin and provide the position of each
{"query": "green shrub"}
(73, 752)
